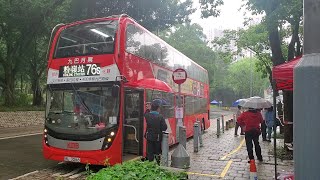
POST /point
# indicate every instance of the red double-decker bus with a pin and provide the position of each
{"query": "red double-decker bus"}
(102, 73)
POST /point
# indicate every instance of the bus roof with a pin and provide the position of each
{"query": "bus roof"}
(123, 17)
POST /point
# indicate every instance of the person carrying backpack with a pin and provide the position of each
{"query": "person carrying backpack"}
(155, 126)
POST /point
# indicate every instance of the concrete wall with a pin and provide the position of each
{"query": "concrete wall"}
(21, 118)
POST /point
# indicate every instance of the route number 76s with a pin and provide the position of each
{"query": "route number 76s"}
(93, 69)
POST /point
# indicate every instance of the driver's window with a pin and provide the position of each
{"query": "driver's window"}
(68, 102)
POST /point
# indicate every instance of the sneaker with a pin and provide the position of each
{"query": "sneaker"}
(242, 134)
(269, 140)
(260, 160)
(236, 135)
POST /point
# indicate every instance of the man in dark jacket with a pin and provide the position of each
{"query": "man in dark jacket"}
(155, 125)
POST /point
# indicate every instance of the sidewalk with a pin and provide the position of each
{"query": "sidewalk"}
(226, 157)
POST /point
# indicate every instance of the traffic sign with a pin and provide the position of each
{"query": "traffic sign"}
(179, 76)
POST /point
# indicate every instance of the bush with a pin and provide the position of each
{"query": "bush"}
(136, 170)
(282, 153)
(21, 108)
(23, 99)
(23, 102)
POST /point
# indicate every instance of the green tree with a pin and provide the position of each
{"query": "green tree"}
(191, 41)
(277, 14)
(244, 78)
(152, 14)
(254, 39)
(20, 22)
(36, 60)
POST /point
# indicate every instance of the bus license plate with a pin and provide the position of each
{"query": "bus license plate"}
(71, 159)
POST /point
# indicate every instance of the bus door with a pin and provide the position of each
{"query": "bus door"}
(133, 124)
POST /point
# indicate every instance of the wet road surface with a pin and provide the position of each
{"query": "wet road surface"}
(22, 155)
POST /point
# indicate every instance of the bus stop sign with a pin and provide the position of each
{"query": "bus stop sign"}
(179, 76)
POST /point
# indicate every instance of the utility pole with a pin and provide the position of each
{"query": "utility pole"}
(251, 81)
(306, 98)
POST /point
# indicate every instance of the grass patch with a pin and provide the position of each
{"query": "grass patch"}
(21, 108)
(282, 153)
(136, 170)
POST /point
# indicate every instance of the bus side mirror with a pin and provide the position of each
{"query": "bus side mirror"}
(115, 90)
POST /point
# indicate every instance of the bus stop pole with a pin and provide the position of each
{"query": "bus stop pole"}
(179, 120)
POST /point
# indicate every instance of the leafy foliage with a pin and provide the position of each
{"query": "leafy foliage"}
(152, 14)
(210, 7)
(191, 41)
(136, 170)
(20, 23)
(243, 75)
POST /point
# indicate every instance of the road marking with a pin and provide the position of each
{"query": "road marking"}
(33, 172)
(200, 174)
(77, 175)
(24, 135)
(72, 172)
(234, 151)
(134, 159)
(225, 170)
(56, 174)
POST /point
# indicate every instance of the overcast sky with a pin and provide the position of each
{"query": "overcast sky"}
(230, 17)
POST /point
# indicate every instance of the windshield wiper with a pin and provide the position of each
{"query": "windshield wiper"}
(81, 100)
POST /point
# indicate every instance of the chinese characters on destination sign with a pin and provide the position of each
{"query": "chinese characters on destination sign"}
(79, 70)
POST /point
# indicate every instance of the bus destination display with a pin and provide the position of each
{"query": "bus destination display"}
(79, 70)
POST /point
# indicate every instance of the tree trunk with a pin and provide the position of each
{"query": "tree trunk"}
(91, 8)
(9, 98)
(37, 92)
(275, 44)
(294, 39)
(288, 116)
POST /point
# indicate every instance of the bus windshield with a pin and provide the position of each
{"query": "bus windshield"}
(81, 111)
(86, 39)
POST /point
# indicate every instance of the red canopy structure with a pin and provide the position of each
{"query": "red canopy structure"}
(283, 74)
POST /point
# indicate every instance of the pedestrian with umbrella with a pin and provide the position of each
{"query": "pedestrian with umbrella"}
(251, 120)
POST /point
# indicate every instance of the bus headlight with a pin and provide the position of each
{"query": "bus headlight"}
(45, 136)
(109, 138)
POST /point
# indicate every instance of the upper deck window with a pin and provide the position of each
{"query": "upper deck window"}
(87, 39)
